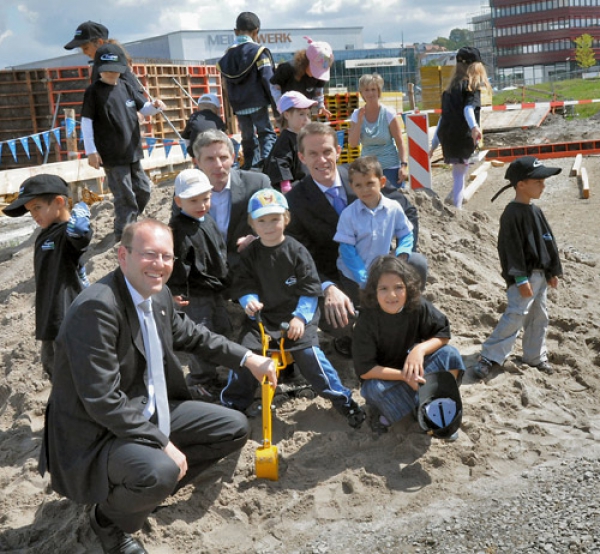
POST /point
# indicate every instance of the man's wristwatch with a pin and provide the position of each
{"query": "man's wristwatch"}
(403, 164)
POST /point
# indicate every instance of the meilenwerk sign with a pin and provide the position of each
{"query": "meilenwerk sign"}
(375, 62)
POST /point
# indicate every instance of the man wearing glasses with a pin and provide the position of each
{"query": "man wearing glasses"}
(122, 432)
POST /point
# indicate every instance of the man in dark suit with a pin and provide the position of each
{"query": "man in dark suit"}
(232, 189)
(103, 444)
(314, 218)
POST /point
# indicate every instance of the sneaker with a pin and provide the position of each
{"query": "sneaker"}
(483, 367)
(545, 367)
(343, 346)
(453, 437)
(353, 413)
(112, 539)
(378, 423)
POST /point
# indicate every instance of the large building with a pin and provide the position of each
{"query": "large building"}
(534, 39)
(352, 59)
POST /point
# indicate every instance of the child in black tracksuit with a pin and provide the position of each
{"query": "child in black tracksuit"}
(111, 135)
(277, 276)
(200, 271)
(530, 264)
(247, 68)
(59, 272)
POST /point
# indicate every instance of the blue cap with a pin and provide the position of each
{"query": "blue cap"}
(265, 202)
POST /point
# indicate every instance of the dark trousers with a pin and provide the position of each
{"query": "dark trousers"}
(141, 476)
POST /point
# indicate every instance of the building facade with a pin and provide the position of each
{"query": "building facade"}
(534, 39)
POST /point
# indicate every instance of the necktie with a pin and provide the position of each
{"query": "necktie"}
(155, 367)
(338, 202)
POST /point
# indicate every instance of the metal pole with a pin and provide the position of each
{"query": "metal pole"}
(161, 112)
(52, 127)
(184, 91)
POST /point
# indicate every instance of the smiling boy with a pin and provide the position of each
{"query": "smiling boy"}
(59, 271)
(368, 226)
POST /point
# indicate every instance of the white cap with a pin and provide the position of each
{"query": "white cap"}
(190, 183)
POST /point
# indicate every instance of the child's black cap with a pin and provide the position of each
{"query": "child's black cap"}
(87, 32)
(34, 187)
(524, 168)
(110, 57)
(440, 405)
(468, 54)
(247, 21)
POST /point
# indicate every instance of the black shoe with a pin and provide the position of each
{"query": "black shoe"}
(113, 540)
(353, 413)
(199, 392)
(343, 346)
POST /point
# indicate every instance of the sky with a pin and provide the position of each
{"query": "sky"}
(32, 30)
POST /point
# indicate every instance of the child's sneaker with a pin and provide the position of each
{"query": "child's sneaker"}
(545, 367)
(483, 367)
(353, 413)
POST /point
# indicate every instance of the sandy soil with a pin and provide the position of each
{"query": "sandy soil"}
(332, 478)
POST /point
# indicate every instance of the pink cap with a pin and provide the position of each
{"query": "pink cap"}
(320, 58)
(294, 99)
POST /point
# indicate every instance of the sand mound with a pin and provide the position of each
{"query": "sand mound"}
(335, 480)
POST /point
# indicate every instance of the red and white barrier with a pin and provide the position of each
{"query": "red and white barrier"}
(417, 131)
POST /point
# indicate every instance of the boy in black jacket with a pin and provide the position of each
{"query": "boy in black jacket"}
(200, 271)
(247, 69)
(530, 264)
(59, 272)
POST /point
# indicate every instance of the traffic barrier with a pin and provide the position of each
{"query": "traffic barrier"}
(417, 131)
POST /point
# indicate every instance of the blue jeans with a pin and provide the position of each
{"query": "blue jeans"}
(395, 399)
(529, 314)
(391, 174)
(260, 121)
(314, 366)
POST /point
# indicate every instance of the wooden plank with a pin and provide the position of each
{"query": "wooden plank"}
(483, 168)
(584, 183)
(576, 168)
(474, 186)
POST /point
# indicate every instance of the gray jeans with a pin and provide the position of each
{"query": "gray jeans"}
(130, 188)
(529, 314)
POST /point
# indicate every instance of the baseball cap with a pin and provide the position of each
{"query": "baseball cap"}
(294, 99)
(110, 57)
(190, 183)
(524, 168)
(440, 405)
(210, 98)
(86, 32)
(320, 59)
(247, 21)
(468, 54)
(32, 188)
(265, 202)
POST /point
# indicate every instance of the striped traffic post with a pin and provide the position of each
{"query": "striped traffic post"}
(417, 131)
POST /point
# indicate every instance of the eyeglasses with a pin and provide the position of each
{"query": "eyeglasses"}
(150, 256)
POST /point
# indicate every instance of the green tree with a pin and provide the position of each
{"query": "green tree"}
(457, 39)
(584, 53)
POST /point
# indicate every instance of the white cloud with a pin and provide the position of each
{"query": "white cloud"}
(39, 28)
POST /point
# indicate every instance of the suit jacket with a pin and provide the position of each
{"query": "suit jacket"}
(98, 390)
(314, 221)
(243, 185)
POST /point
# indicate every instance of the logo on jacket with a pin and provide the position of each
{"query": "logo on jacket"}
(547, 236)
(291, 281)
(130, 103)
(48, 245)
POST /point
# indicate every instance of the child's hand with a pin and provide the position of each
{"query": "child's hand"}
(413, 369)
(95, 160)
(243, 242)
(159, 104)
(296, 330)
(526, 290)
(325, 112)
(181, 300)
(476, 135)
(252, 307)
(553, 282)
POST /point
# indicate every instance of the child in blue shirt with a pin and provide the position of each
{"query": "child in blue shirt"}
(368, 226)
